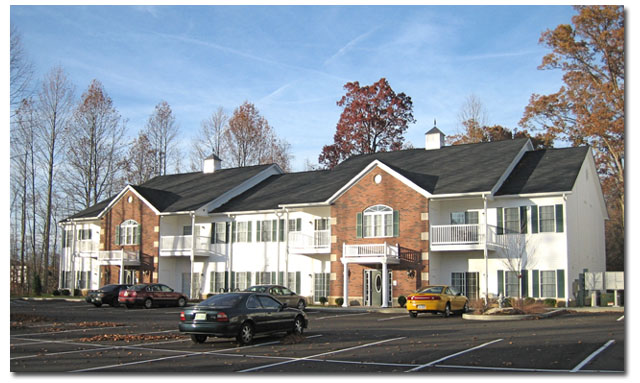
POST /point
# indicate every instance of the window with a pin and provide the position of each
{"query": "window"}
(84, 234)
(242, 232)
(253, 303)
(547, 219)
(217, 284)
(265, 277)
(378, 222)
(219, 232)
(242, 280)
(128, 233)
(320, 286)
(295, 224)
(267, 230)
(511, 282)
(511, 220)
(548, 283)
(269, 303)
(464, 218)
(187, 230)
(466, 283)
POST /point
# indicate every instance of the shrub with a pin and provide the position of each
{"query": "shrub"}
(56, 292)
(65, 292)
(402, 300)
(550, 302)
(339, 301)
(529, 301)
(323, 300)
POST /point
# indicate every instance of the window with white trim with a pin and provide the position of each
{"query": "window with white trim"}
(129, 233)
(378, 222)
(511, 284)
(512, 220)
(243, 231)
(84, 234)
(547, 219)
(548, 284)
(242, 280)
(220, 232)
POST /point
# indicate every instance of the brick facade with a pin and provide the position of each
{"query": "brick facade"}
(398, 196)
(130, 206)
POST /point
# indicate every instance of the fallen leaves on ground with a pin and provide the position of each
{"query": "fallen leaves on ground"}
(128, 338)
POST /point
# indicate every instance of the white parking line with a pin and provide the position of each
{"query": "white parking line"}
(593, 355)
(189, 353)
(619, 319)
(342, 315)
(384, 319)
(453, 355)
(65, 331)
(324, 353)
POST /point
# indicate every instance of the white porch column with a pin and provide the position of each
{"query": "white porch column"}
(192, 255)
(121, 266)
(486, 250)
(345, 285)
(345, 278)
(385, 285)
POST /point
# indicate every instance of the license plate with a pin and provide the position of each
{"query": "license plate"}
(201, 316)
(421, 307)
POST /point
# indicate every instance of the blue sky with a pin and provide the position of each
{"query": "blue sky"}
(293, 61)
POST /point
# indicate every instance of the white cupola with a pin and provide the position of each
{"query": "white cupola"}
(433, 139)
(211, 164)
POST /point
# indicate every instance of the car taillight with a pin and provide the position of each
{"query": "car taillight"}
(222, 317)
(133, 293)
(182, 316)
(424, 298)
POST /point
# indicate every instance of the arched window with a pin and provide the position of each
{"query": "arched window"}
(128, 233)
(378, 221)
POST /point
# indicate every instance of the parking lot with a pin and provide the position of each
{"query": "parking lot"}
(61, 336)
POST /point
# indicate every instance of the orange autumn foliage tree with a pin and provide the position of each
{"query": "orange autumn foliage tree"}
(589, 107)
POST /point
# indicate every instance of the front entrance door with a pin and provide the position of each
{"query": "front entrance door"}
(373, 285)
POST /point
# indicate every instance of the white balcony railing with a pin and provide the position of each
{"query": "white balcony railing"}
(119, 255)
(465, 235)
(318, 241)
(182, 243)
(86, 246)
(381, 251)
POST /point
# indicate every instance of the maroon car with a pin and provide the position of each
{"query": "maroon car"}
(149, 295)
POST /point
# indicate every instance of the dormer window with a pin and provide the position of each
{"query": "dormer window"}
(128, 233)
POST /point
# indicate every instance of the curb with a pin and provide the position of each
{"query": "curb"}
(549, 314)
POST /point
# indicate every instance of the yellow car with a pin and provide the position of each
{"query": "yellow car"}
(437, 299)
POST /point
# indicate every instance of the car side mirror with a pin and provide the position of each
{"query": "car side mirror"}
(283, 306)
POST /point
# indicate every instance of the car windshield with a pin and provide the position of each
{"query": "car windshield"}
(432, 290)
(257, 289)
(222, 300)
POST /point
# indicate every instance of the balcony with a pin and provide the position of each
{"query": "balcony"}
(464, 237)
(371, 253)
(319, 242)
(181, 245)
(87, 247)
(117, 257)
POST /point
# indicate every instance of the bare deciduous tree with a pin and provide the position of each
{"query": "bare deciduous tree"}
(209, 139)
(517, 252)
(54, 105)
(162, 130)
(94, 160)
(139, 166)
(21, 69)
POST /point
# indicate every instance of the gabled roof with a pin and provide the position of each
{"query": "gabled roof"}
(452, 169)
(182, 192)
(545, 171)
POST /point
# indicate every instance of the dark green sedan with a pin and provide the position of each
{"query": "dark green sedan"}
(241, 315)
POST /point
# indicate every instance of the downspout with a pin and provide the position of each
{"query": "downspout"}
(73, 261)
(193, 250)
(230, 250)
(486, 249)
(566, 233)
(286, 247)
(279, 215)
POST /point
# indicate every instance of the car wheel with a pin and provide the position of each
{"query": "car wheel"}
(182, 302)
(447, 311)
(198, 338)
(465, 309)
(301, 305)
(413, 315)
(97, 304)
(148, 303)
(245, 336)
(298, 326)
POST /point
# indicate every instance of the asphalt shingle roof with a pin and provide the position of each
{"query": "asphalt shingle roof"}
(549, 170)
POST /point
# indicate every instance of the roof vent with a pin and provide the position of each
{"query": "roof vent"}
(211, 164)
(433, 139)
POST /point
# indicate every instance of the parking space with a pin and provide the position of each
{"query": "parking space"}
(74, 336)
